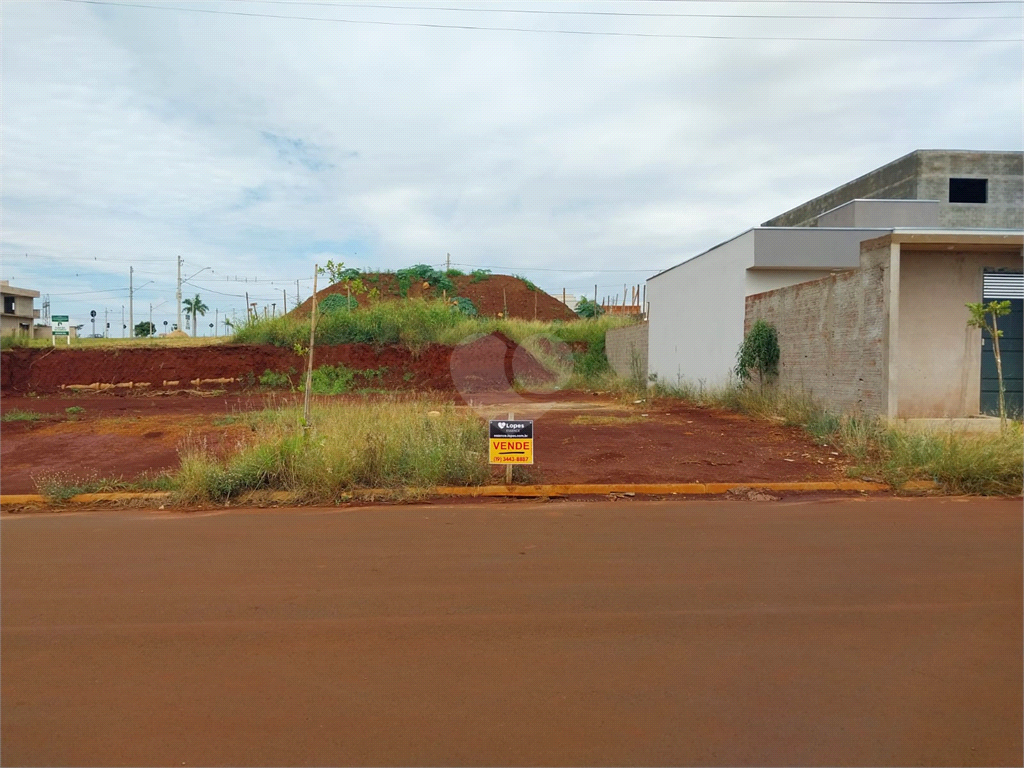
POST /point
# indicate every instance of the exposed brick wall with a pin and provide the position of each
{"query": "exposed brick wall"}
(621, 344)
(833, 335)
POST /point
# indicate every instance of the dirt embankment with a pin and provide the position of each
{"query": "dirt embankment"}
(491, 362)
(490, 295)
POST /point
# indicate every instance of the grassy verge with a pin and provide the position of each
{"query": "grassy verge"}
(60, 487)
(82, 342)
(388, 444)
(983, 463)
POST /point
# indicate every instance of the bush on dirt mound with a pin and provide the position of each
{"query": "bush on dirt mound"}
(491, 295)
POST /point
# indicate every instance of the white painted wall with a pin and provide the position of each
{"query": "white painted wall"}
(696, 315)
(697, 308)
(761, 280)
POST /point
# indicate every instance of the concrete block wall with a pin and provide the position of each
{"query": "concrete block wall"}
(925, 175)
(833, 335)
(1005, 174)
(621, 344)
(895, 181)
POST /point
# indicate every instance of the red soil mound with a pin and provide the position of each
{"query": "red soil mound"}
(490, 296)
(488, 363)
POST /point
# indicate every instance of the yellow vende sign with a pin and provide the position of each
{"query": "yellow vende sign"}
(511, 442)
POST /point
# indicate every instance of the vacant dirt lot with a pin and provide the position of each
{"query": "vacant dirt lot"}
(580, 439)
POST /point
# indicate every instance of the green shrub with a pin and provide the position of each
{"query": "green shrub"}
(759, 352)
(274, 379)
(337, 303)
(464, 306)
(587, 308)
(423, 273)
(332, 380)
(479, 275)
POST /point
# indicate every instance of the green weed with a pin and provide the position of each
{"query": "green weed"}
(18, 415)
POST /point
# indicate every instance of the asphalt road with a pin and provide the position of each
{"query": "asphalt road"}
(880, 632)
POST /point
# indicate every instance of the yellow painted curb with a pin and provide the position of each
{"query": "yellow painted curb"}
(664, 489)
(519, 491)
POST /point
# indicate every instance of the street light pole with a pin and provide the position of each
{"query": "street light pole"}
(177, 295)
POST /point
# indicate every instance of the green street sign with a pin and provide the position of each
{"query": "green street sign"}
(60, 325)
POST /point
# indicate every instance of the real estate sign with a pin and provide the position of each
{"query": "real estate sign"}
(511, 442)
(60, 325)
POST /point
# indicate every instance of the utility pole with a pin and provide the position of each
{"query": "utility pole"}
(122, 321)
(284, 296)
(448, 263)
(216, 319)
(297, 300)
(177, 295)
(106, 322)
(131, 300)
(152, 330)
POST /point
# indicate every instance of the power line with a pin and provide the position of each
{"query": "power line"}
(548, 269)
(588, 33)
(618, 14)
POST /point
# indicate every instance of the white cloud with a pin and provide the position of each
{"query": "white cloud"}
(255, 146)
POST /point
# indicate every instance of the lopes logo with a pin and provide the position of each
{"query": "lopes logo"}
(510, 425)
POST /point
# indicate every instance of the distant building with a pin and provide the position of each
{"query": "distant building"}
(19, 315)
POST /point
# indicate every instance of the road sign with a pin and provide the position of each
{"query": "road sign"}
(511, 442)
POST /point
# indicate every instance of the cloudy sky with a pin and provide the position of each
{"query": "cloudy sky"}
(255, 138)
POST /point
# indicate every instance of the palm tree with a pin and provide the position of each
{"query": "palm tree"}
(195, 307)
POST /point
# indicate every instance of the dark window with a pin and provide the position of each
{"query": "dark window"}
(968, 190)
(9, 305)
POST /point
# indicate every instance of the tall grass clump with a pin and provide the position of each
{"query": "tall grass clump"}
(412, 323)
(387, 444)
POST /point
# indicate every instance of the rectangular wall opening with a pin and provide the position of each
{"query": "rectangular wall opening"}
(968, 190)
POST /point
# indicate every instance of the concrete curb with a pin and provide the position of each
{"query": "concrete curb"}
(520, 491)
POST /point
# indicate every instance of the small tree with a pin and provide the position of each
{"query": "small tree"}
(980, 318)
(759, 352)
(351, 279)
(587, 308)
(145, 328)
